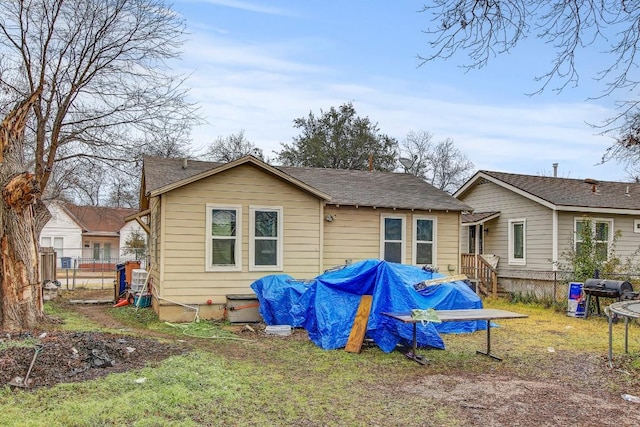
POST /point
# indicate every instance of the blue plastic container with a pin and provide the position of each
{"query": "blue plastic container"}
(575, 304)
(145, 300)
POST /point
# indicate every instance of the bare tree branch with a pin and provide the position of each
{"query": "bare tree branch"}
(232, 147)
(483, 28)
(442, 165)
(104, 65)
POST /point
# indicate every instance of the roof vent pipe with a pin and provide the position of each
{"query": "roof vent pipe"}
(555, 170)
(184, 163)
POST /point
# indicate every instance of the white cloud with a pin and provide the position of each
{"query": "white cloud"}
(262, 86)
(245, 5)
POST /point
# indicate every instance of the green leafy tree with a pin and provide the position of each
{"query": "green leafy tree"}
(135, 244)
(340, 139)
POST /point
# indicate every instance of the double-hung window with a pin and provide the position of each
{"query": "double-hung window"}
(265, 238)
(392, 232)
(600, 234)
(517, 242)
(224, 238)
(56, 242)
(424, 241)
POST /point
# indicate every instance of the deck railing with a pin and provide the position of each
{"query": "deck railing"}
(479, 270)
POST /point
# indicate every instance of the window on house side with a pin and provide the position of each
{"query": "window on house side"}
(601, 232)
(393, 242)
(223, 238)
(517, 242)
(58, 246)
(424, 241)
(265, 238)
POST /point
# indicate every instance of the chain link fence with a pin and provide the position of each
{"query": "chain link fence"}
(551, 285)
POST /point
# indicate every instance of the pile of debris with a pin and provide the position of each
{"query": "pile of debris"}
(30, 360)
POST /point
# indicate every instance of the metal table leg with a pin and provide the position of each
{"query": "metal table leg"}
(413, 355)
(488, 352)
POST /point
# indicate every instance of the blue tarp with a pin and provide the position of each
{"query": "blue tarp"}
(326, 306)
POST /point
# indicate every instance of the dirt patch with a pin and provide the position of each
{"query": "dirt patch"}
(81, 356)
(492, 400)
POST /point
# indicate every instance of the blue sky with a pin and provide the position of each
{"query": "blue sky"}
(257, 65)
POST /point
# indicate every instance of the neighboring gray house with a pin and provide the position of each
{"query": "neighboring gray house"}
(522, 223)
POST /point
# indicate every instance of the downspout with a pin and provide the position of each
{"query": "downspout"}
(162, 199)
(554, 238)
(321, 237)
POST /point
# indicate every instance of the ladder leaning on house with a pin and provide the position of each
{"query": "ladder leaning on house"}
(479, 270)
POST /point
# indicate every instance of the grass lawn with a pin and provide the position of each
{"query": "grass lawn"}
(288, 381)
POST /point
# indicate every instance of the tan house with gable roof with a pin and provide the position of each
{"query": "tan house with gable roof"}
(215, 228)
(527, 222)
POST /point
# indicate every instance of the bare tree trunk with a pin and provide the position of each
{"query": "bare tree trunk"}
(21, 304)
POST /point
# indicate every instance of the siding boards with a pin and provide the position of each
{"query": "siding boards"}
(354, 234)
(486, 197)
(360, 227)
(185, 278)
(539, 229)
(627, 244)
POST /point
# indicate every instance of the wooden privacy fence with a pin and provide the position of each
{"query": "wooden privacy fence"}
(48, 262)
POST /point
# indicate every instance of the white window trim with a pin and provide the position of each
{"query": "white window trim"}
(280, 241)
(208, 239)
(416, 218)
(52, 241)
(403, 242)
(576, 220)
(636, 225)
(512, 260)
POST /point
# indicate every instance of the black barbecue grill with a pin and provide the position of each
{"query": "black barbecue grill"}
(604, 288)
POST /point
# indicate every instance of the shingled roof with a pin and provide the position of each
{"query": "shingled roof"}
(564, 192)
(98, 220)
(479, 217)
(344, 187)
(159, 172)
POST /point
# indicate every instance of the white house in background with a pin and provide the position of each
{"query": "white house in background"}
(90, 233)
(62, 233)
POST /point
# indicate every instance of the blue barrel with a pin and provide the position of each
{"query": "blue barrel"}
(65, 262)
